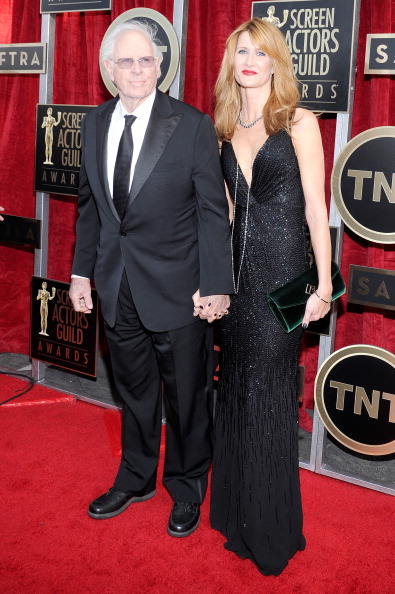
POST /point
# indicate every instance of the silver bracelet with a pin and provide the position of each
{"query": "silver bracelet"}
(319, 297)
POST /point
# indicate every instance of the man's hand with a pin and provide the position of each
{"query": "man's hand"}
(210, 308)
(80, 294)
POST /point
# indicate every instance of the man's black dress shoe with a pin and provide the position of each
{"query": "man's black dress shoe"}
(184, 518)
(114, 502)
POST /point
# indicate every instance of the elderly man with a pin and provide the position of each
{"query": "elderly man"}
(153, 232)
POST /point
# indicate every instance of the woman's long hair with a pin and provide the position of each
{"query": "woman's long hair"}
(279, 110)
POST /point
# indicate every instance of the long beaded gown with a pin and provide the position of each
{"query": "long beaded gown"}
(255, 500)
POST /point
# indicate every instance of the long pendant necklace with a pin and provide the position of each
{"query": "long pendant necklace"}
(250, 124)
(236, 284)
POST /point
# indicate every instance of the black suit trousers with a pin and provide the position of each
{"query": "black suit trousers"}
(143, 362)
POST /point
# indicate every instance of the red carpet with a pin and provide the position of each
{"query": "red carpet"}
(57, 454)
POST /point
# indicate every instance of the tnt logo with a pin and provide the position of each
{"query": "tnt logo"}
(363, 184)
(354, 393)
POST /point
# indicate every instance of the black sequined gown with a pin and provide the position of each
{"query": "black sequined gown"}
(255, 501)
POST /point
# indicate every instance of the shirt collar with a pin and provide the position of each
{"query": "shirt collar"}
(143, 111)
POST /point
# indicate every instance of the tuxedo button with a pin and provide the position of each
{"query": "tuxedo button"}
(123, 234)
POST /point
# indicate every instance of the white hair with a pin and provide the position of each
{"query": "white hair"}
(147, 29)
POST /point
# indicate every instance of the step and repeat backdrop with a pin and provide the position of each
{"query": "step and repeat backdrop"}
(355, 386)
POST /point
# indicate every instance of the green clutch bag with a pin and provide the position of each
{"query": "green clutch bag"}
(288, 302)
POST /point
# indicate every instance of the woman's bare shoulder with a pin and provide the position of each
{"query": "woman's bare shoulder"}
(304, 121)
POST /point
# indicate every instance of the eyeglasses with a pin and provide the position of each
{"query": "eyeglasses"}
(145, 62)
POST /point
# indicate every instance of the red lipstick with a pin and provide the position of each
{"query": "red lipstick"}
(248, 72)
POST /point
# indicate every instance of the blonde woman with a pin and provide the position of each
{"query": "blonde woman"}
(273, 164)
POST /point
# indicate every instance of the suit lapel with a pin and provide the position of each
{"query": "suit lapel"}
(103, 120)
(161, 126)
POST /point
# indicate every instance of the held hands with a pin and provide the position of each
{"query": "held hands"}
(80, 294)
(210, 308)
(317, 306)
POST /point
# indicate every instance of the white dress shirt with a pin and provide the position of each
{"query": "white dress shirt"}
(139, 127)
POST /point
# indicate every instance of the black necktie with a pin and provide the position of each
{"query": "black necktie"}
(122, 167)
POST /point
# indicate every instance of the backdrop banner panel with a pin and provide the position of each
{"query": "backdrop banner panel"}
(59, 335)
(320, 36)
(49, 6)
(58, 148)
(355, 399)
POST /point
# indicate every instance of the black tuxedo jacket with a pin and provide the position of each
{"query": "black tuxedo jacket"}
(174, 237)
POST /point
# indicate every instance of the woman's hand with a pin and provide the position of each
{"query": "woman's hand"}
(317, 307)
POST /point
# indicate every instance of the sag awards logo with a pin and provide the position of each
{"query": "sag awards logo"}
(44, 296)
(363, 184)
(58, 148)
(354, 395)
(168, 45)
(275, 20)
(48, 123)
(320, 37)
(60, 335)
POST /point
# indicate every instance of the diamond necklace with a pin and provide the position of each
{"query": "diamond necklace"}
(251, 123)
